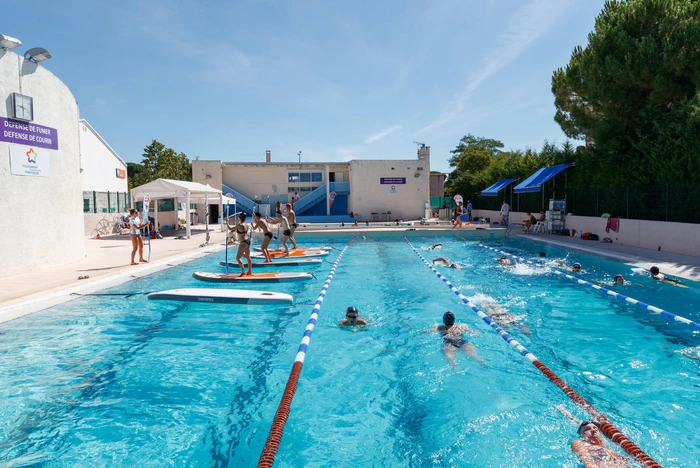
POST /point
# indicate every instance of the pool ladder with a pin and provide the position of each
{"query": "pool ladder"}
(512, 225)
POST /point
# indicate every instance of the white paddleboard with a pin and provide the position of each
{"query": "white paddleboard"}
(299, 262)
(222, 296)
(254, 278)
(292, 254)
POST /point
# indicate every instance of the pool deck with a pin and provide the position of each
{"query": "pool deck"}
(673, 264)
(107, 260)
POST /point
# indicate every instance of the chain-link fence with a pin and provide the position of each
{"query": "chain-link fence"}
(105, 202)
(670, 202)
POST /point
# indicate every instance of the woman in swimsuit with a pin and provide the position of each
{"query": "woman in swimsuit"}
(267, 235)
(592, 450)
(286, 232)
(452, 338)
(135, 228)
(244, 233)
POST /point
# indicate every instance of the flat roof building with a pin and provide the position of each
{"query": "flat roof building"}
(322, 191)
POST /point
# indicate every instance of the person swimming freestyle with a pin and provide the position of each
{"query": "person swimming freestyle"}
(452, 338)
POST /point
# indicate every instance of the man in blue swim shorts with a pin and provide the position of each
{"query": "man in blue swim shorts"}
(452, 338)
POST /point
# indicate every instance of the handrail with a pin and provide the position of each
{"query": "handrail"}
(511, 226)
(243, 203)
(312, 198)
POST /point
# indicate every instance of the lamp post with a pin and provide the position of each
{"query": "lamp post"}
(299, 154)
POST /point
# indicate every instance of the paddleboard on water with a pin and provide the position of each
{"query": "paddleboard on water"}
(304, 261)
(293, 254)
(300, 249)
(254, 278)
(222, 296)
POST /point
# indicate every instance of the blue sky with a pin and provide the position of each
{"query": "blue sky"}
(336, 80)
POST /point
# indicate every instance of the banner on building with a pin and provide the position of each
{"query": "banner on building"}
(29, 161)
(27, 133)
(392, 180)
(121, 174)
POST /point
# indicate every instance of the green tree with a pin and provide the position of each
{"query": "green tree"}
(634, 91)
(160, 162)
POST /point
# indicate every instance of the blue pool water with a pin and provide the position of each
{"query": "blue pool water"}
(130, 382)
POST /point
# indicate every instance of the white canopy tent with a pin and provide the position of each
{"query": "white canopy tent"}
(160, 189)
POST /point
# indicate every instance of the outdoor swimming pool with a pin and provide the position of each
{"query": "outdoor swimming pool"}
(122, 381)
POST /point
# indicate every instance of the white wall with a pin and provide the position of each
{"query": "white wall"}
(43, 215)
(99, 162)
(368, 195)
(681, 238)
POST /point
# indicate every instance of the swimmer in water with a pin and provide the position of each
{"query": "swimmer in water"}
(452, 338)
(619, 279)
(503, 317)
(683, 352)
(435, 246)
(657, 275)
(352, 318)
(445, 262)
(592, 450)
(503, 260)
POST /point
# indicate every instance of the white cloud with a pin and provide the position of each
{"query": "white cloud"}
(378, 136)
(525, 27)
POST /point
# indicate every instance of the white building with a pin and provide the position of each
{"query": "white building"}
(105, 186)
(371, 189)
(102, 168)
(40, 181)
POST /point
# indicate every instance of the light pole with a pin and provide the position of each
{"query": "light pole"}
(299, 154)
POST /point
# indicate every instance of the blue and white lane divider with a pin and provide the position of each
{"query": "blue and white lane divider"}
(267, 458)
(600, 289)
(508, 339)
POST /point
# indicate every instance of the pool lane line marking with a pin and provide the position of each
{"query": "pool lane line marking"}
(267, 457)
(606, 427)
(600, 289)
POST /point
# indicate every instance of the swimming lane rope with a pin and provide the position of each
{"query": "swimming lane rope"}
(600, 289)
(606, 427)
(267, 458)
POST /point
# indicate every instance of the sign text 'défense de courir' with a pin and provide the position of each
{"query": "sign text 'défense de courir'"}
(24, 133)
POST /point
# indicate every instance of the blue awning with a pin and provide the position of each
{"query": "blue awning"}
(497, 187)
(535, 181)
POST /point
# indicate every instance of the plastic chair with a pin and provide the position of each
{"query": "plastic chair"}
(540, 226)
(375, 216)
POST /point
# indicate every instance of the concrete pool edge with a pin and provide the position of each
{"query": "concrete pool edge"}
(12, 310)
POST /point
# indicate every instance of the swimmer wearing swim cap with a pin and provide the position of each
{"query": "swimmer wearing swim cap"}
(452, 338)
(503, 260)
(352, 318)
(657, 275)
(619, 279)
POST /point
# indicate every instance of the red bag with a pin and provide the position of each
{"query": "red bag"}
(585, 235)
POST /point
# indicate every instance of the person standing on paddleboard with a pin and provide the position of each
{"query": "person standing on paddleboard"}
(267, 235)
(286, 232)
(244, 233)
(292, 220)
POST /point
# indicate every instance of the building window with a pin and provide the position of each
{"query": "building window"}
(295, 177)
(86, 205)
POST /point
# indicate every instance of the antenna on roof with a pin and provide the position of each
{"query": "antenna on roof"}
(420, 145)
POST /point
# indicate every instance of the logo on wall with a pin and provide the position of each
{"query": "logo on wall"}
(121, 174)
(31, 156)
(392, 189)
(29, 161)
(331, 197)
